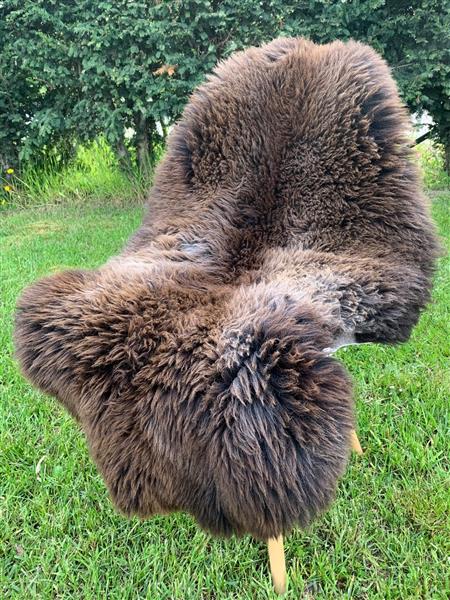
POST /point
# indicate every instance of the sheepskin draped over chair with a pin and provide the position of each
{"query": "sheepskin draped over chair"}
(286, 219)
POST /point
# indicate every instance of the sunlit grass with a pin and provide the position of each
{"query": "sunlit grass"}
(386, 536)
(92, 176)
(431, 161)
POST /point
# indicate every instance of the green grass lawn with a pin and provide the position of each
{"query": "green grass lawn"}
(386, 536)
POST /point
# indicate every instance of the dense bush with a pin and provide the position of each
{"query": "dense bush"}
(70, 71)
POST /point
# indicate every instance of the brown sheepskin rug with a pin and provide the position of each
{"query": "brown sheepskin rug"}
(286, 219)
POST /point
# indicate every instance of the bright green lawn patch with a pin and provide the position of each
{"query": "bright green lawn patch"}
(386, 536)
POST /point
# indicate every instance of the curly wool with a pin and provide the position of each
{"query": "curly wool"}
(285, 216)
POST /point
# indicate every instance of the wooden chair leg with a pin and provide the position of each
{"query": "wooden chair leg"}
(277, 564)
(356, 446)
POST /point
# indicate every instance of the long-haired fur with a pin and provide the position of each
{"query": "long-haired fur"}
(285, 216)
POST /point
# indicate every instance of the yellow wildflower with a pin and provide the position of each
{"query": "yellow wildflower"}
(7, 188)
(10, 171)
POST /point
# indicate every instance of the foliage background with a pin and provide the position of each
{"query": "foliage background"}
(71, 71)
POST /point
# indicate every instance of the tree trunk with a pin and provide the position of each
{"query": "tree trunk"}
(422, 138)
(143, 149)
(124, 158)
(447, 157)
(165, 130)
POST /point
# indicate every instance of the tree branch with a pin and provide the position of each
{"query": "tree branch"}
(422, 138)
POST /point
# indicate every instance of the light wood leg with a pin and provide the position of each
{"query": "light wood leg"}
(356, 446)
(277, 564)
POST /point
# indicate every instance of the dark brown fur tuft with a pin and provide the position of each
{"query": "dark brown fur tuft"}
(285, 217)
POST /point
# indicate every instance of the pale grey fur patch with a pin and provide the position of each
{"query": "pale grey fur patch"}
(342, 340)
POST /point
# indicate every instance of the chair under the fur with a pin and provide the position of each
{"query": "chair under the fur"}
(285, 219)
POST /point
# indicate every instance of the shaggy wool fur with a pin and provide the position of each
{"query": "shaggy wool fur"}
(285, 217)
